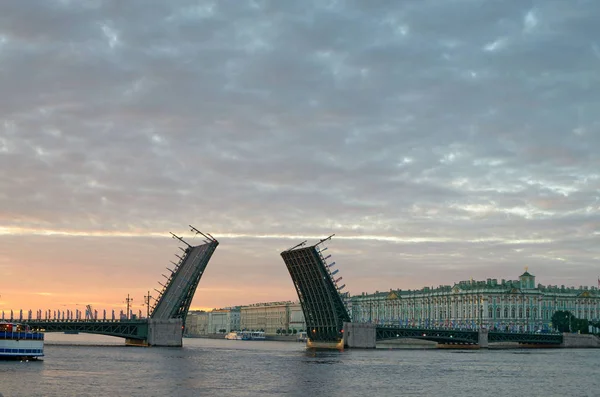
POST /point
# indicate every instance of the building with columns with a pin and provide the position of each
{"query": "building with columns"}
(269, 317)
(518, 305)
(272, 317)
(214, 322)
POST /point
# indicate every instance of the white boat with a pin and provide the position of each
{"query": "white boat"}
(18, 341)
(257, 335)
(233, 336)
(247, 335)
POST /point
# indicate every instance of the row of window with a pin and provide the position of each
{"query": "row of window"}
(544, 304)
(22, 351)
(21, 335)
(508, 313)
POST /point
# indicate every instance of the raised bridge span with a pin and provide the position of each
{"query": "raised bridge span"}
(322, 303)
(164, 327)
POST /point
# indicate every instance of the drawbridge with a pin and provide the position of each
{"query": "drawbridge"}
(164, 327)
(320, 296)
(174, 299)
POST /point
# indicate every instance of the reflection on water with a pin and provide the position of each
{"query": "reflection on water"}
(257, 368)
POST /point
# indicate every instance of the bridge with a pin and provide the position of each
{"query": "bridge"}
(467, 337)
(317, 286)
(164, 326)
(329, 325)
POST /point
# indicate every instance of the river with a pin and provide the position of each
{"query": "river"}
(87, 365)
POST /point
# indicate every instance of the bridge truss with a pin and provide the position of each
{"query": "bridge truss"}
(318, 291)
(455, 336)
(176, 296)
(131, 329)
(443, 336)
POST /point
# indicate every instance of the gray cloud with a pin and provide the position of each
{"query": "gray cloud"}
(424, 120)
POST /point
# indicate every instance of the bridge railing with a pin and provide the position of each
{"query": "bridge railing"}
(72, 320)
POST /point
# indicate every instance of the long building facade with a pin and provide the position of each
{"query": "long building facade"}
(513, 305)
(218, 321)
(272, 318)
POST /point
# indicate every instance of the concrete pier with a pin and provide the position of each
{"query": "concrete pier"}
(357, 335)
(483, 338)
(165, 332)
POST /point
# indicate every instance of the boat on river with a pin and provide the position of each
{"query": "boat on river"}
(246, 335)
(18, 341)
(233, 336)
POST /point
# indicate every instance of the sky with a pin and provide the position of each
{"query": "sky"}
(438, 140)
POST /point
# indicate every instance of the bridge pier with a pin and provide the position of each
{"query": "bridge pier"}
(483, 338)
(168, 333)
(359, 335)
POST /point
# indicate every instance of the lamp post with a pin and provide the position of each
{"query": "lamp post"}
(128, 301)
(147, 302)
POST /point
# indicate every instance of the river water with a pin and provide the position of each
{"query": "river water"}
(101, 366)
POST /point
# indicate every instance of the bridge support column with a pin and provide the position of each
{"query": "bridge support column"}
(360, 336)
(483, 338)
(165, 332)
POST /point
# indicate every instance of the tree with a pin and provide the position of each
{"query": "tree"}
(581, 325)
(561, 321)
(565, 321)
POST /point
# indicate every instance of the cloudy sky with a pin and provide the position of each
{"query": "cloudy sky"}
(439, 140)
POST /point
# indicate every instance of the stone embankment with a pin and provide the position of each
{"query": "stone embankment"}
(583, 341)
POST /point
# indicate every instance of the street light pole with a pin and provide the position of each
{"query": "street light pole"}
(147, 301)
(128, 300)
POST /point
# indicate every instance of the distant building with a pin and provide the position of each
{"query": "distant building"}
(196, 323)
(272, 317)
(513, 305)
(217, 321)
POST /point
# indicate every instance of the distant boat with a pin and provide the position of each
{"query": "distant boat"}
(246, 335)
(233, 336)
(253, 335)
(18, 341)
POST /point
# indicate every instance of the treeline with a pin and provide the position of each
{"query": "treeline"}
(565, 321)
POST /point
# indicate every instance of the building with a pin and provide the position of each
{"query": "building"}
(196, 323)
(272, 317)
(507, 305)
(217, 321)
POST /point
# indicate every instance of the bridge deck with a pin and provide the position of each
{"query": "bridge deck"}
(455, 336)
(131, 329)
(444, 336)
